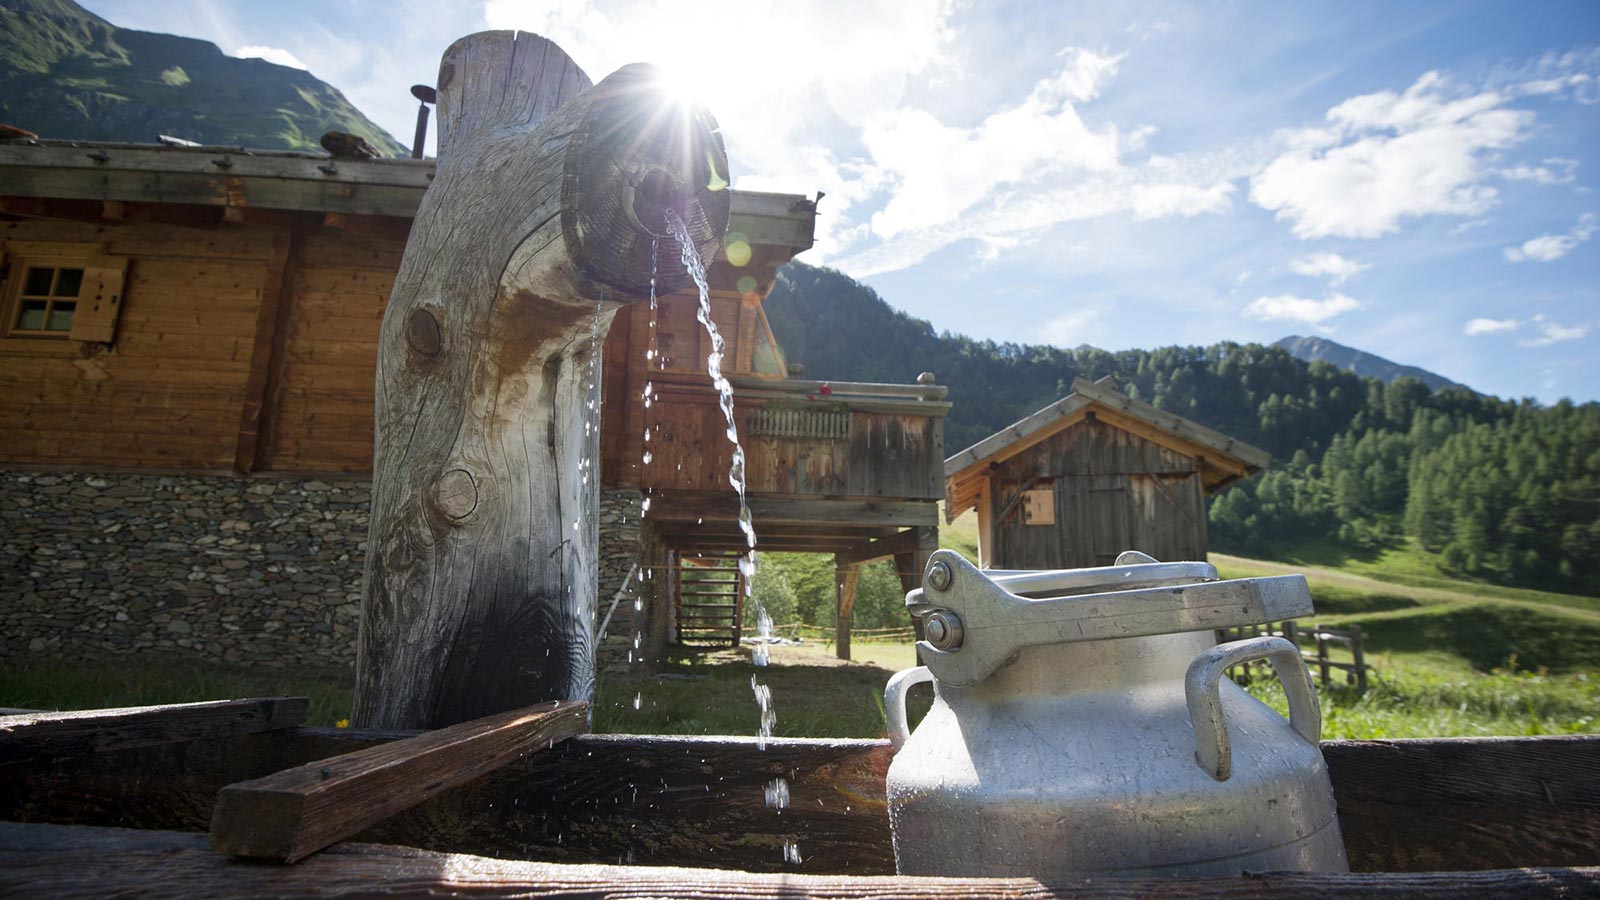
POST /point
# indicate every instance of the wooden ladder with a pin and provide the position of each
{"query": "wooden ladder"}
(710, 598)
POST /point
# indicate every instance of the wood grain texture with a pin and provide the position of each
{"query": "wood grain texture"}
(291, 814)
(1112, 490)
(1468, 802)
(1405, 806)
(35, 735)
(267, 349)
(480, 583)
(66, 861)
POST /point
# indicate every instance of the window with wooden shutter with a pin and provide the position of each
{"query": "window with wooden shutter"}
(62, 292)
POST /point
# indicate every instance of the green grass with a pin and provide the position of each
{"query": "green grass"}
(1410, 699)
(1449, 658)
(90, 685)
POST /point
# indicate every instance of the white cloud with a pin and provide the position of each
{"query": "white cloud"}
(1386, 157)
(1308, 311)
(939, 171)
(1337, 269)
(1477, 327)
(1551, 247)
(1052, 169)
(272, 55)
(1551, 333)
(1155, 201)
(1078, 326)
(1571, 73)
(1551, 171)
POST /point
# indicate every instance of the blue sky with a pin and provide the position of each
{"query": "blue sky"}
(1413, 179)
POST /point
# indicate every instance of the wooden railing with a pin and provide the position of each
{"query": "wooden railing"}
(834, 439)
(1319, 639)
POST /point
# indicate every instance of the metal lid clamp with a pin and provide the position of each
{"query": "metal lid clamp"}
(974, 621)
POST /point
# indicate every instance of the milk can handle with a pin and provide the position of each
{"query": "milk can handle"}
(1203, 690)
(894, 702)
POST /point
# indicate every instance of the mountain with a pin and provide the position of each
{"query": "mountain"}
(1494, 489)
(1360, 362)
(842, 330)
(67, 73)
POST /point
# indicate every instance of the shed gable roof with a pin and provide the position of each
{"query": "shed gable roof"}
(1223, 458)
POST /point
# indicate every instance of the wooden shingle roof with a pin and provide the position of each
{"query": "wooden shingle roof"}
(1223, 459)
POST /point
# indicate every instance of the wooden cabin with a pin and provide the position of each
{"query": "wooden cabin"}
(212, 313)
(1092, 475)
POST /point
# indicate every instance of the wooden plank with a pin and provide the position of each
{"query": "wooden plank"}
(296, 812)
(772, 511)
(908, 541)
(1468, 802)
(36, 735)
(47, 860)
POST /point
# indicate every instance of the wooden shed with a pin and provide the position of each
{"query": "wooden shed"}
(1092, 475)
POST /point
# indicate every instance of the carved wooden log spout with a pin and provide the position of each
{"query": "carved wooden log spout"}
(481, 565)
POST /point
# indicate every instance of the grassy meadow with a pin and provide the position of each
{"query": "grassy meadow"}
(1449, 657)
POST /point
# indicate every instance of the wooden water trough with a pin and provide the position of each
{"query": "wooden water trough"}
(119, 802)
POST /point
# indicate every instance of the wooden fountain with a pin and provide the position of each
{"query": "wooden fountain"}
(468, 772)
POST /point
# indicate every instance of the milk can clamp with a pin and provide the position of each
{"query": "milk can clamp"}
(975, 621)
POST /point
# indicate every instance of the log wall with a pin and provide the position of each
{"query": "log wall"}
(175, 390)
(1112, 490)
(323, 382)
(167, 393)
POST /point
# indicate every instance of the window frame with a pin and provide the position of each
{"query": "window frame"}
(17, 278)
(98, 302)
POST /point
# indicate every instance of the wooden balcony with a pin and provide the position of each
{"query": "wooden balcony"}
(828, 465)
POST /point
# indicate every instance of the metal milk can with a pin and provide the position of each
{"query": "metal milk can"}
(1083, 723)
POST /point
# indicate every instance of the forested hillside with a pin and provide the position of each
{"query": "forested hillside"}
(67, 73)
(1499, 489)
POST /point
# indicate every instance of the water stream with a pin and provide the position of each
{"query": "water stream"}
(777, 791)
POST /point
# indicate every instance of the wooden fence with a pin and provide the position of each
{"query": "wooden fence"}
(1317, 639)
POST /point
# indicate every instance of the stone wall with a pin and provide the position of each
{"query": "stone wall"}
(262, 571)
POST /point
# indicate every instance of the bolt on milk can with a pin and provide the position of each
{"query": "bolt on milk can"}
(1083, 724)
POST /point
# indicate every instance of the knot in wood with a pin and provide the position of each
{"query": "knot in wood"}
(456, 493)
(422, 333)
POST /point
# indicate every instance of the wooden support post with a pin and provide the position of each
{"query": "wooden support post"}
(294, 813)
(846, 575)
(35, 735)
(1322, 653)
(911, 564)
(986, 536)
(1358, 658)
(266, 354)
(481, 577)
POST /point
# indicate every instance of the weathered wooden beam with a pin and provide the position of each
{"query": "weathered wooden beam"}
(773, 510)
(294, 813)
(267, 350)
(34, 735)
(46, 860)
(481, 579)
(846, 576)
(907, 541)
(1468, 802)
(154, 175)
